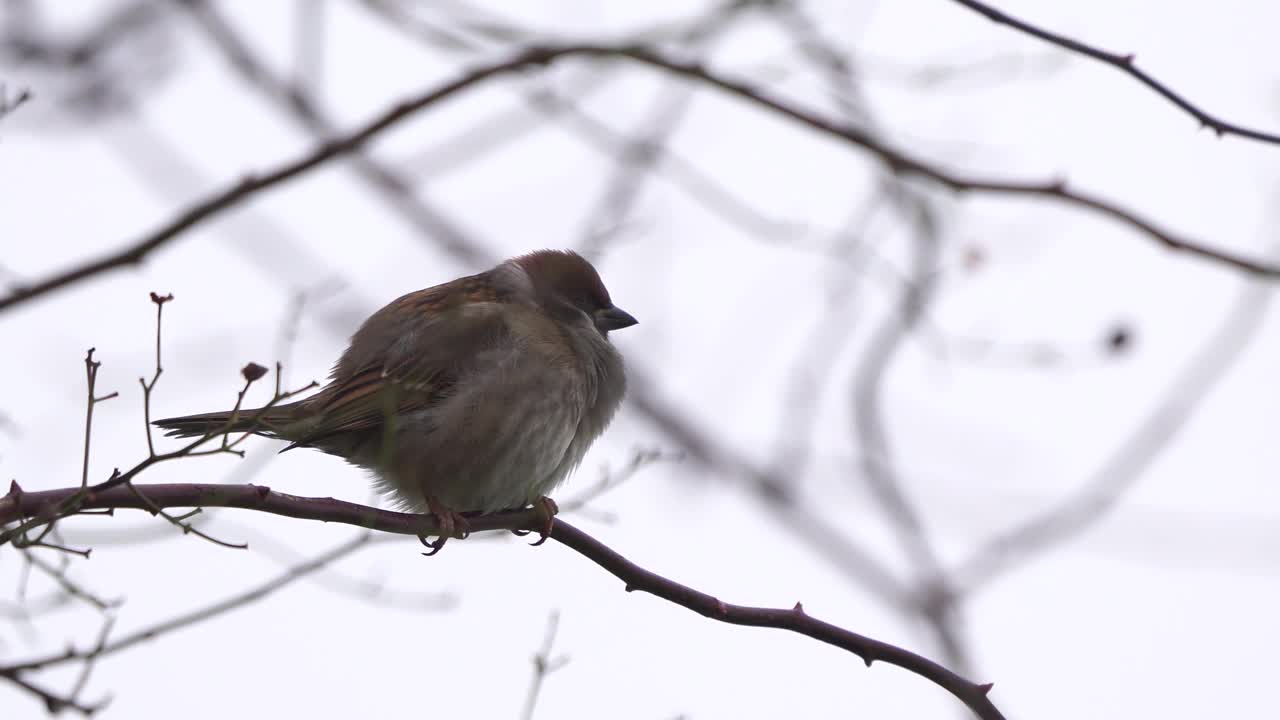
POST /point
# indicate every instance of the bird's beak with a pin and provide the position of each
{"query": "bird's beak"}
(613, 318)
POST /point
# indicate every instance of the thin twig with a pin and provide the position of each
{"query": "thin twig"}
(1124, 62)
(71, 504)
(91, 367)
(148, 386)
(179, 521)
(70, 587)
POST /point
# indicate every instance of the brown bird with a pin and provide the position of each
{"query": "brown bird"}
(478, 395)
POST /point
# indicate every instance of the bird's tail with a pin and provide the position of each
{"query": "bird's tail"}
(268, 422)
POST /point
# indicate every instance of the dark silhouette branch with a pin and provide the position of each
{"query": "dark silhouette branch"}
(1124, 62)
(896, 160)
(18, 505)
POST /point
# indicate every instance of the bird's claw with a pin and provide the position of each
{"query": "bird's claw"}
(546, 509)
(451, 525)
(435, 545)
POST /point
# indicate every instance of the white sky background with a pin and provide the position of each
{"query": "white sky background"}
(1165, 608)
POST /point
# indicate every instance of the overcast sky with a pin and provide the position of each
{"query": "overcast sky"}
(1007, 400)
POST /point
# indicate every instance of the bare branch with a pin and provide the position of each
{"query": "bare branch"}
(53, 702)
(148, 386)
(70, 587)
(896, 160)
(1125, 64)
(16, 506)
(91, 367)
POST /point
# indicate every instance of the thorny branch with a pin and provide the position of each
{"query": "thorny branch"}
(19, 505)
(1124, 62)
(897, 160)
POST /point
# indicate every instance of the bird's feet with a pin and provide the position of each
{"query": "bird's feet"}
(449, 524)
(546, 510)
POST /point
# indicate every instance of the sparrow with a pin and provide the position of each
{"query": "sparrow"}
(478, 395)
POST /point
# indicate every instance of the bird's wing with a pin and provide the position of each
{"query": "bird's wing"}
(405, 358)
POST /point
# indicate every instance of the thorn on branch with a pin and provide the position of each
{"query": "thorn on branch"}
(798, 609)
(985, 688)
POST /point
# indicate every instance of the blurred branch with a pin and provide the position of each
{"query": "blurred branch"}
(1125, 466)
(566, 105)
(610, 479)
(781, 501)
(53, 702)
(373, 592)
(71, 588)
(14, 672)
(8, 104)
(1125, 64)
(293, 98)
(310, 20)
(543, 665)
(18, 505)
(938, 607)
(896, 160)
(97, 69)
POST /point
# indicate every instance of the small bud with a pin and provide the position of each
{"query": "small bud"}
(161, 299)
(253, 371)
(798, 609)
